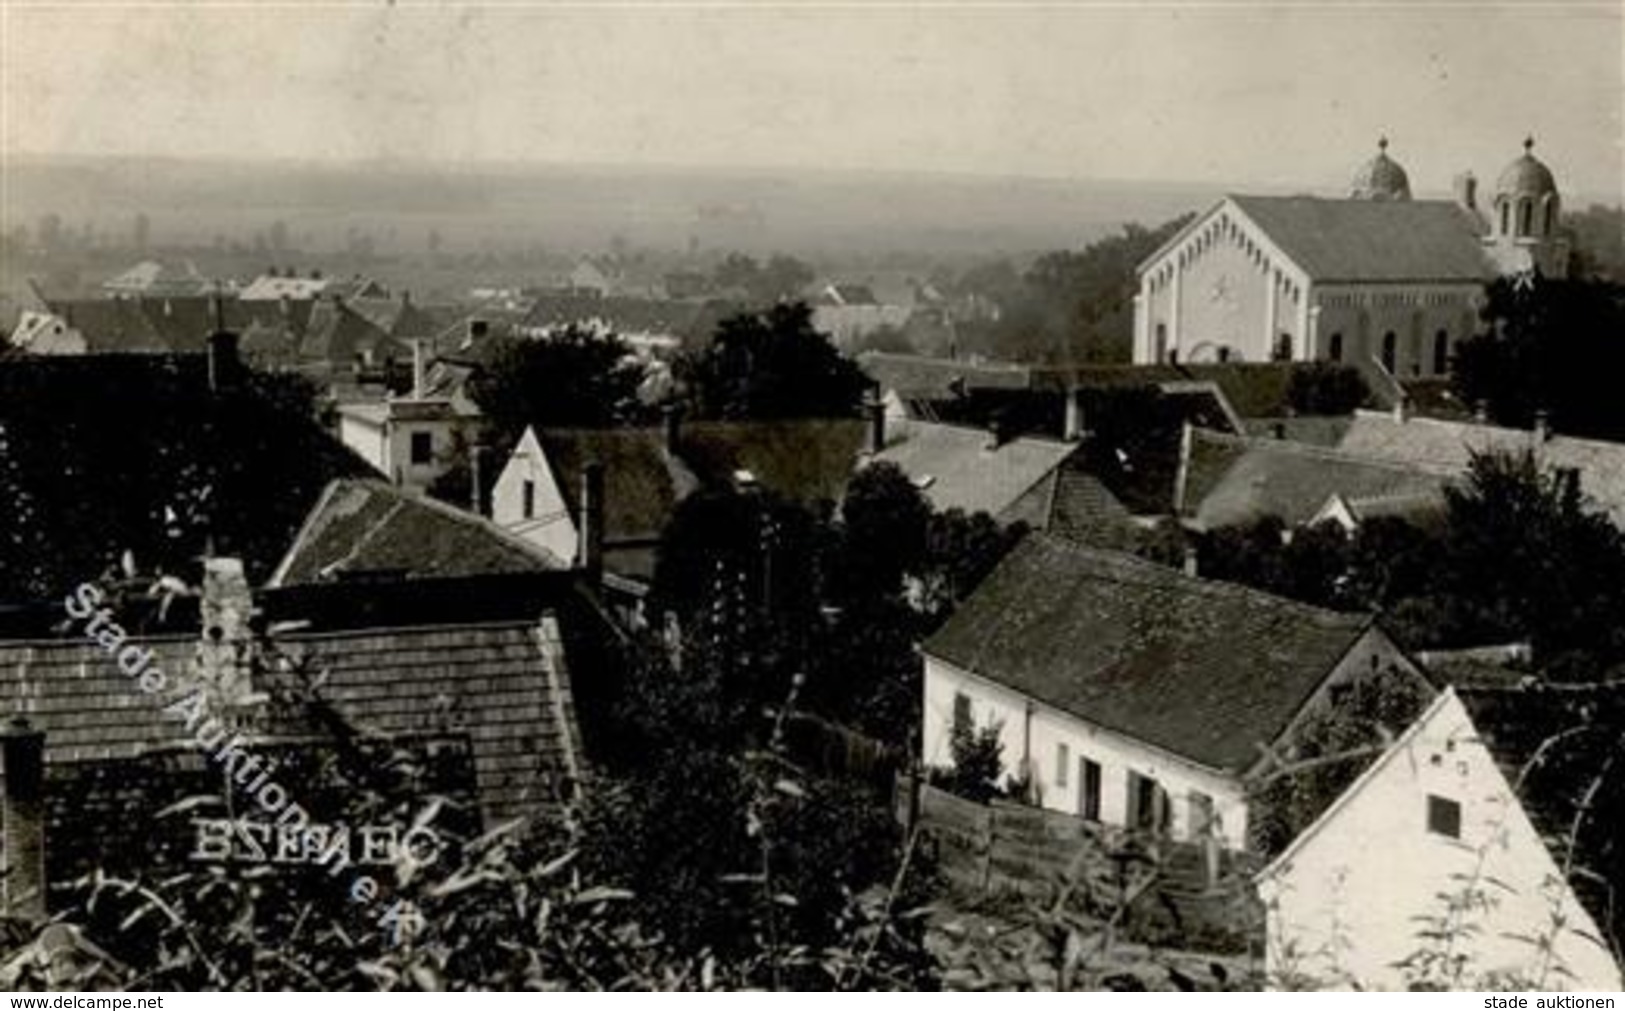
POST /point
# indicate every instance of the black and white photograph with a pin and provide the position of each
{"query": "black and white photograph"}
(811, 495)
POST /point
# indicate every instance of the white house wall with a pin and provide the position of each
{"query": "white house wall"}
(368, 442)
(1034, 731)
(1343, 907)
(1221, 284)
(550, 526)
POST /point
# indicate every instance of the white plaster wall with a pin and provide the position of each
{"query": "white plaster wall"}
(1343, 908)
(550, 527)
(368, 442)
(1037, 738)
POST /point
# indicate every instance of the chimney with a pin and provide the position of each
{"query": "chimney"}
(1190, 561)
(671, 415)
(1072, 428)
(1402, 407)
(223, 650)
(283, 305)
(22, 820)
(1543, 427)
(1481, 411)
(590, 550)
(476, 501)
(224, 363)
(1568, 487)
(1466, 190)
(874, 412)
(420, 379)
(477, 330)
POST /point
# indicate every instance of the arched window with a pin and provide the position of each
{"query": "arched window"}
(1390, 348)
(1334, 347)
(1526, 216)
(1506, 218)
(1160, 352)
(1441, 353)
(1283, 348)
(1224, 353)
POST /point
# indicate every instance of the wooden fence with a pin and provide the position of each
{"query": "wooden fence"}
(1163, 892)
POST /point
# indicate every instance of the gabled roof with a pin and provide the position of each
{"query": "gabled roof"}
(266, 287)
(808, 461)
(336, 333)
(1450, 445)
(642, 483)
(108, 453)
(1373, 240)
(1208, 671)
(939, 378)
(960, 468)
(175, 323)
(505, 684)
(1231, 480)
(369, 529)
(1558, 747)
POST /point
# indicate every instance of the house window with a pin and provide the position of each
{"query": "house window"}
(962, 721)
(528, 492)
(1390, 350)
(1283, 348)
(421, 447)
(1441, 352)
(1334, 347)
(1444, 817)
(1063, 758)
(1089, 789)
(1160, 353)
(1224, 353)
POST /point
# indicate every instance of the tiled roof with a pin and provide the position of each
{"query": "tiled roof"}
(1558, 746)
(1436, 443)
(108, 453)
(1205, 670)
(363, 528)
(1085, 510)
(807, 461)
(1231, 480)
(958, 468)
(1374, 240)
(505, 685)
(336, 333)
(175, 323)
(642, 484)
(939, 378)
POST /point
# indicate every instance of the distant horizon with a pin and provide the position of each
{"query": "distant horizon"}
(506, 168)
(1217, 95)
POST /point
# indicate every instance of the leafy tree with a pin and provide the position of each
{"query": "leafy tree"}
(772, 364)
(1325, 388)
(1548, 346)
(1599, 242)
(572, 378)
(960, 551)
(884, 520)
(978, 760)
(1070, 306)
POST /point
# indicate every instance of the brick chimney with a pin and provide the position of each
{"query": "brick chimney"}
(671, 416)
(874, 412)
(1465, 186)
(420, 376)
(1072, 429)
(1543, 428)
(224, 650)
(590, 550)
(22, 820)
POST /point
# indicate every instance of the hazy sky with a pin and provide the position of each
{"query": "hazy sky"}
(1278, 95)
